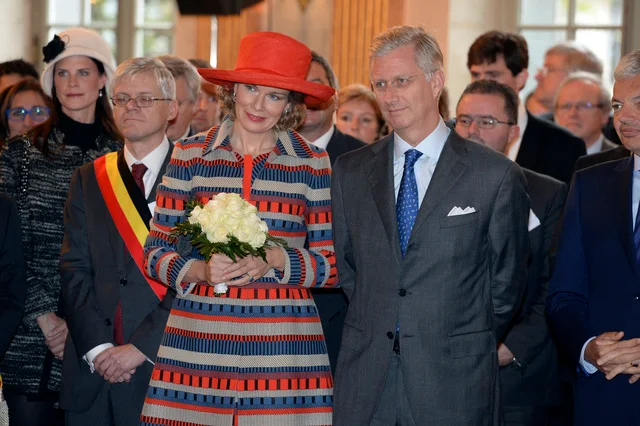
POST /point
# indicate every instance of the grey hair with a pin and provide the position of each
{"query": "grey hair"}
(628, 67)
(428, 54)
(577, 57)
(604, 96)
(136, 66)
(182, 68)
(328, 70)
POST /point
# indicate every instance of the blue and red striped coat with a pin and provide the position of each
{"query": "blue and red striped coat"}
(257, 355)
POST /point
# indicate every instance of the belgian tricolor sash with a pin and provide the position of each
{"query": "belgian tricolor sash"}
(128, 208)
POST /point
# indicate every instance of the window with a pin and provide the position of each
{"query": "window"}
(151, 34)
(596, 24)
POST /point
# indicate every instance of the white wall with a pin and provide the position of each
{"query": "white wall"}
(15, 30)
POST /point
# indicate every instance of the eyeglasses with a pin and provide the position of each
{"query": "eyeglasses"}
(580, 106)
(37, 113)
(398, 83)
(140, 101)
(484, 122)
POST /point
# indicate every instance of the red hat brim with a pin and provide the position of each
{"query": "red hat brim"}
(314, 93)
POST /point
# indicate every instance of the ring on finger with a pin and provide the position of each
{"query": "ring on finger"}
(250, 277)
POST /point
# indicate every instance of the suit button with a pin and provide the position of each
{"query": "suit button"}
(123, 281)
(636, 297)
(107, 322)
(402, 292)
(389, 335)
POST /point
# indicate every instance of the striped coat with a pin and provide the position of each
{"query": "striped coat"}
(256, 356)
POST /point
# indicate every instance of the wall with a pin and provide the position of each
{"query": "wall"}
(15, 30)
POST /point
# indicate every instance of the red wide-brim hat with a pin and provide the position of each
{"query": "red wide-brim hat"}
(274, 60)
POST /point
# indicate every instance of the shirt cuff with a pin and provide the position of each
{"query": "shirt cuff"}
(587, 367)
(93, 353)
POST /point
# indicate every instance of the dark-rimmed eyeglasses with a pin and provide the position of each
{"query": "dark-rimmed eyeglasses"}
(579, 106)
(37, 113)
(483, 121)
(140, 101)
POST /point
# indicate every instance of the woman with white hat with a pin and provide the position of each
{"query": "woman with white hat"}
(257, 354)
(35, 170)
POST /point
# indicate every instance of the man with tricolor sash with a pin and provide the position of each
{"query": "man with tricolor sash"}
(115, 313)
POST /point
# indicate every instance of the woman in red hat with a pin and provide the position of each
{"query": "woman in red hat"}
(255, 356)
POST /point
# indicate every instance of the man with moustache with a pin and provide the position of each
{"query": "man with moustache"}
(116, 314)
(431, 241)
(487, 113)
(593, 301)
(318, 128)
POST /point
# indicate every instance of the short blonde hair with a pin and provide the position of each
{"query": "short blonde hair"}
(291, 117)
(359, 92)
(155, 67)
(428, 54)
(604, 97)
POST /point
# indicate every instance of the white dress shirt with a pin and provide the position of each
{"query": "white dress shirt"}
(596, 146)
(153, 161)
(635, 200)
(523, 119)
(430, 147)
(323, 140)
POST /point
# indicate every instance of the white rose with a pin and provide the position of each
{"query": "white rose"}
(218, 234)
(258, 240)
(245, 232)
(193, 217)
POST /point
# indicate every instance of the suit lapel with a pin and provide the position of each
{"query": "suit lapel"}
(447, 172)
(529, 146)
(381, 180)
(152, 195)
(624, 217)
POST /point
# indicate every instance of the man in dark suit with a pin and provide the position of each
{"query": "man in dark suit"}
(543, 146)
(602, 157)
(487, 113)
(13, 281)
(318, 128)
(431, 246)
(116, 314)
(593, 297)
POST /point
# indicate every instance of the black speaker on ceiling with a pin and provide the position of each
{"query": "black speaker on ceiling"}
(213, 7)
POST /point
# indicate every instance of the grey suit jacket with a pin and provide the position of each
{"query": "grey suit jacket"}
(97, 272)
(454, 293)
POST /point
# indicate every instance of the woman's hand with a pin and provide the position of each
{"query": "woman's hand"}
(248, 269)
(55, 332)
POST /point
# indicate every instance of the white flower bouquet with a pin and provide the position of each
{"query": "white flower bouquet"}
(229, 225)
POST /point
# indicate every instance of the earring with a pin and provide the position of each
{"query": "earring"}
(100, 93)
(287, 110)
(234, 96)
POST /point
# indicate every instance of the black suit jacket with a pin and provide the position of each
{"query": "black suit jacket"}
(602, 157)
(13, 280)
(528, 384)
(549, 149)
(331, 302)
(97, 272)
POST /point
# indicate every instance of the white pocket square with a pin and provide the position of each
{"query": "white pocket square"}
(534, 222)
(457, 211)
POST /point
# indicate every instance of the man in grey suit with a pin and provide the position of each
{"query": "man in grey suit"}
(487, 113)
(432, 246)
(116, 314)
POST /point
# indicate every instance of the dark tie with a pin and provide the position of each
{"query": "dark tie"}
(137, 170)
(406, 212)
(407, 204)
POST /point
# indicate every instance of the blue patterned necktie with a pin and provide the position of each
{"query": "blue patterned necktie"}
(407, 204)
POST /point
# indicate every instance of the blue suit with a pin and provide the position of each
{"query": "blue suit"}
(596, 286)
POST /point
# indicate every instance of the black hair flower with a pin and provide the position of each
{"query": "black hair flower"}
(53, 49)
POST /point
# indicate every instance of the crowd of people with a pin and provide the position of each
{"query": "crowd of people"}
(478, 269)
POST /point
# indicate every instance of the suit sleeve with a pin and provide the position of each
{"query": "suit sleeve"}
(148, 336)
(13, 283)
(84, 321)
(315, 264)
(530, 334)
(341, 234)
(509, 238)
(568, 290)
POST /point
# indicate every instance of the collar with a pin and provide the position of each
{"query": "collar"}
(430, 147)
(152, 160)
(597, 145)
(523, 118)
(289, 142)
(636, 162)
(323, 140)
